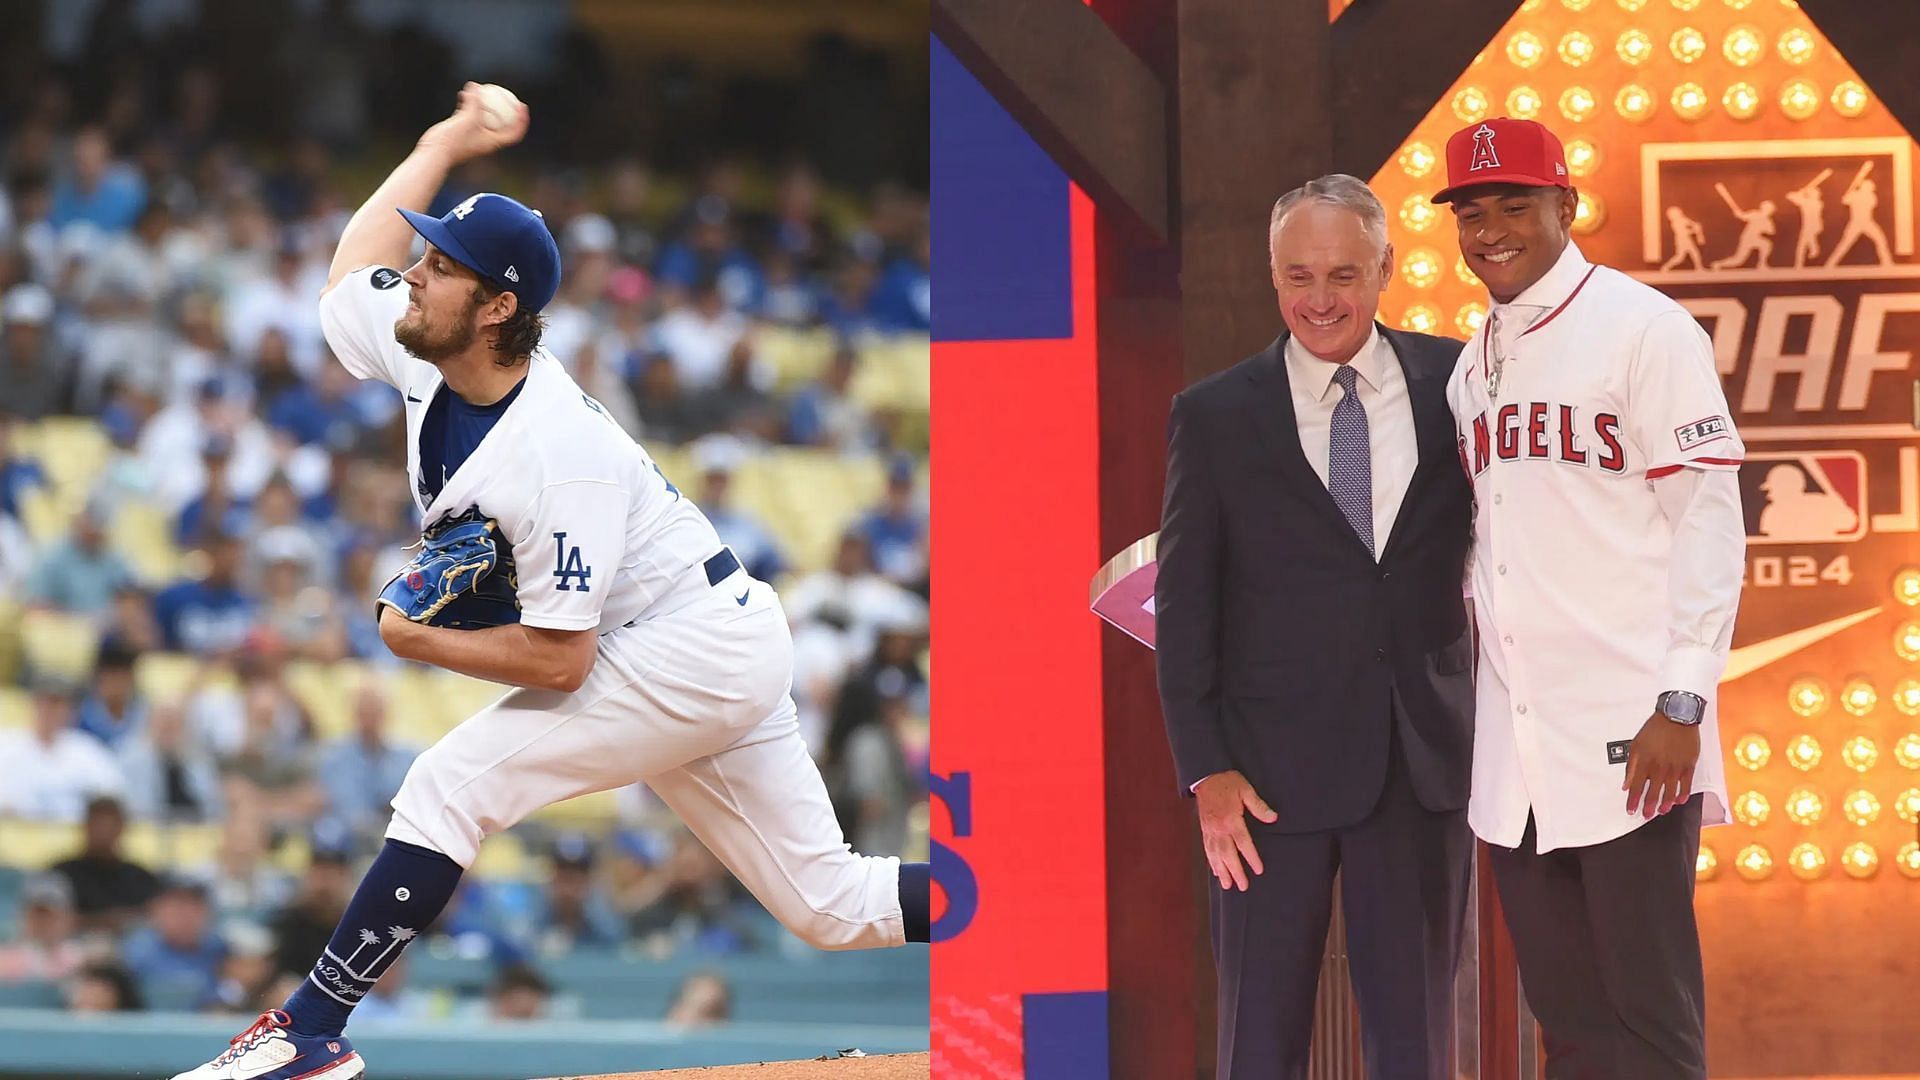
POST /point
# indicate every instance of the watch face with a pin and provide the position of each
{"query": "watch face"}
(1683, 708)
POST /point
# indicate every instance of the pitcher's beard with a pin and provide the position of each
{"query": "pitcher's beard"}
(422, 344)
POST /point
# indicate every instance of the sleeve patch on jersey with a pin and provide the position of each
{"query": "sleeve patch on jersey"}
(1701, 432)
(384, 278)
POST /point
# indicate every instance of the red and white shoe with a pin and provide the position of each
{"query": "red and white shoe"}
(269, 1050)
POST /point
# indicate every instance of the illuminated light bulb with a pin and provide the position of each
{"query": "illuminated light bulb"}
(1743, 46)
(1906, 641)
(1582, 159)
(1422, 267)
(1752, 752)
(1906, 586)
(1909, 859)
(1464, 272)
(1859, 697)
(1469, 318)
(1738, 5)
(1589, 213)
(1577, 103)
(1907, 696)
(1685, 5)
(1906, 750)
(1799, 99)
(1752, 808)
(1803, 752)
(1807, 697)
(1860, 753)
(1531, 5)
(1634, 102)
(1805, 806)
(1418, 213)
(1808, 861)
(1417, 159)
(1526, 49)
(1632, 5)
(1576, 49)
(1687, 44)
(1796, 46)
(1861, 806)
(1421, 319)
(1470, 104)
(1524, 102)
(1690, 101)
(1575, 5)
(1754, 862)
(1850, 99)
(1860, 860)
(1634, 48)
(1907, 806)
(1742, 101)
(1706, 864)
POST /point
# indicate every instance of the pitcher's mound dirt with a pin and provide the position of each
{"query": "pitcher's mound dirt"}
(882, 1067)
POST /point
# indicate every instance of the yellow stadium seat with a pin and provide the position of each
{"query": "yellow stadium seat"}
(327, 691)
(676, 464)
(142, 534)
(585, 812)
(16, 708)
(413, 714)
(459, 697)
(798, 357)
(45, 515)
(36, 845)
(9, 642)
(503, 856)
(74, 452)
(171, 846)
(292, 854)
(894, 373)
(161, 676)
(60, 645)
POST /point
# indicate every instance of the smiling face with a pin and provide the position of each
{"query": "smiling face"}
(1328, 273)
(1512, 235)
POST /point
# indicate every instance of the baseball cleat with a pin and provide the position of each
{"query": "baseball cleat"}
(270, 1051)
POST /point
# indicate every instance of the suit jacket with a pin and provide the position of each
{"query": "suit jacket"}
(1284, 649)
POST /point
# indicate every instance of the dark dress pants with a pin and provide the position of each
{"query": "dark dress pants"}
(1403, 887)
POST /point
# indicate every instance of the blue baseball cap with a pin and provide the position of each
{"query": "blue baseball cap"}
(501, 239)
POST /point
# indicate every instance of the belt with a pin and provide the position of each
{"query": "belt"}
(722, 566)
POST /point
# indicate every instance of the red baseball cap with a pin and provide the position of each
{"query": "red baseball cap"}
(1504, 151)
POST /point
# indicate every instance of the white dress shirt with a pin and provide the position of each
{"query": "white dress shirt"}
(1382, 389)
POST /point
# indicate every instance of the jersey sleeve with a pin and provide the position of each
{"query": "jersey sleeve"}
(572, 549)
(357, 317)
(1678, 413)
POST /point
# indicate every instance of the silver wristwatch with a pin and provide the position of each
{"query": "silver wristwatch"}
(1682, 707)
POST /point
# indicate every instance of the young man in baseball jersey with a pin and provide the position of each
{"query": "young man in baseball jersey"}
(1607, 557)
(641, 649)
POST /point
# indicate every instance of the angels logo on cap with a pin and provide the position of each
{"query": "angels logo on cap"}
(1483, 153)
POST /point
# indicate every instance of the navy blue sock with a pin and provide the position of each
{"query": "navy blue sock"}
(405, 889)
(916, 900)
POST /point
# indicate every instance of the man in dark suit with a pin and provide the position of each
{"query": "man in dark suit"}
(1314, 654)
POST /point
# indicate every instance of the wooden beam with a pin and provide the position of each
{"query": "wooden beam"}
(1865, 32)
(1395, 58)
(1086, 98)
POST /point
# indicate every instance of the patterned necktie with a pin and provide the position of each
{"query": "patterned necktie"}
(1350, 458)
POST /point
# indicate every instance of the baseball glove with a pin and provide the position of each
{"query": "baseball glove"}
(462, 577)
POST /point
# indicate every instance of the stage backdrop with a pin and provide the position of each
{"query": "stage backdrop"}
(1019, 957)
(1727, 155)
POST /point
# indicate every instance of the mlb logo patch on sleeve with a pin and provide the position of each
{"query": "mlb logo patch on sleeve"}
(1701, 432)
(384, 278)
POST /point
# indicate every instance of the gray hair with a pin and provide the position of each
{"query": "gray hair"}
(1334, 189)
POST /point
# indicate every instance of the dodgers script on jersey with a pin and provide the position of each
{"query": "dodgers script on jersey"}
(1574, 404)
(598, 532)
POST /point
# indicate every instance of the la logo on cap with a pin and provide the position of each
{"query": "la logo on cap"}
(1483, 155)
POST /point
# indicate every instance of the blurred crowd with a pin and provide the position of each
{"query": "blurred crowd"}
(158, 281)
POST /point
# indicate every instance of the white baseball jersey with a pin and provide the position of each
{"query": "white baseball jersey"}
(690, 686)
(598, 532)
(1608, 546)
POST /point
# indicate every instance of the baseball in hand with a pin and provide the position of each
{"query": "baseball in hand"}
(499, 108)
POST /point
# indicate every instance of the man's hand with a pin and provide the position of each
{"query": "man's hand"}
(1660, 766)
(1224, 801)
(464, 136)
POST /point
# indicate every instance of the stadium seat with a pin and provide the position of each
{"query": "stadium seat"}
(142, 534)
(162, 676)
(45, 515)
(36, 845)
(157, 846)
(56, 644)
(893, 374)
(16, 708)
(74, 451)
(797, 356)
(327, 691)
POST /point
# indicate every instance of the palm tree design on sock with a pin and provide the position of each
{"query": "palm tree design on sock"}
(400, 936)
